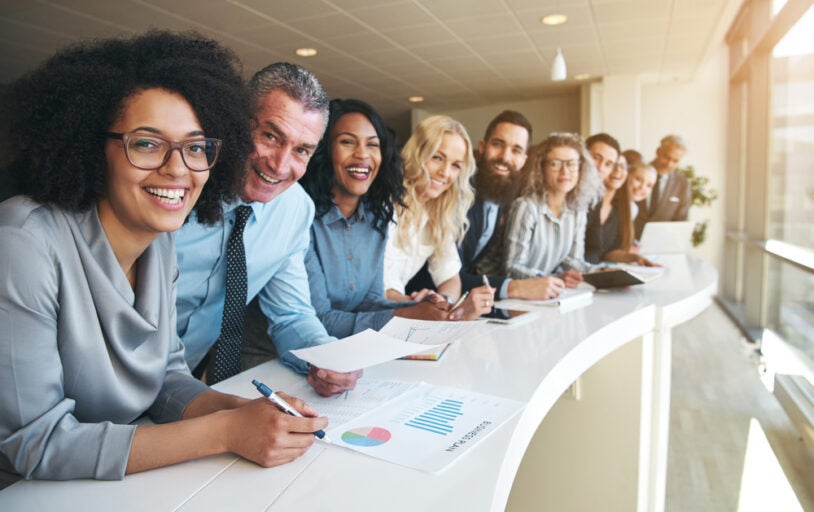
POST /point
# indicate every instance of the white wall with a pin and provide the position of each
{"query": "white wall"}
(551, 114)
(698, 112)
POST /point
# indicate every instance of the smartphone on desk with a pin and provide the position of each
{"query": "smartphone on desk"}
(509, 316)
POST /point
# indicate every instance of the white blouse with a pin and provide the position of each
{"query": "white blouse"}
(402, 263)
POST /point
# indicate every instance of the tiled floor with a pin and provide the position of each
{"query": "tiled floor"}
(716, 393)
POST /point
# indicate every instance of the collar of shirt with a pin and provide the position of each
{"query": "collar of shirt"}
(566, 210)
(334, 214)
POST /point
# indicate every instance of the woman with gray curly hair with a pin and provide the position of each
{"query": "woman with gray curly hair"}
(544, 232)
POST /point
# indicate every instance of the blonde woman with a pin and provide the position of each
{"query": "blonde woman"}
(544, 232)
(642, 177)
(438, 164)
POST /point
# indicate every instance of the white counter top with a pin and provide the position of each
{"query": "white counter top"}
(533, 362)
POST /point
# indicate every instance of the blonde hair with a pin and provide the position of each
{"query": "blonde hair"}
(589, 189)
(446, 214)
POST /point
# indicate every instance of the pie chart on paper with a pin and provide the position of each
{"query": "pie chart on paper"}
(366, 436)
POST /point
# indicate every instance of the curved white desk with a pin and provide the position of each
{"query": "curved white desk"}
(534, 362)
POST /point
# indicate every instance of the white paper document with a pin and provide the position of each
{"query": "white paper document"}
(344, 407)
(361, 350)
(430, 332)
(643, 273)
(582, 295)
(426, 428)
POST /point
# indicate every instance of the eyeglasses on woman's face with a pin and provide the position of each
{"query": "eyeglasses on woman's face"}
(149, 152)
(557, 164)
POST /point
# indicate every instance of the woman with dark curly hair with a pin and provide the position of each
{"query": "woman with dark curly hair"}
(355, 179)
(87, 262)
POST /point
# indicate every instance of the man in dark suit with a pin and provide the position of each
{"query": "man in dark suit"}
(670, 199)
(500, 157)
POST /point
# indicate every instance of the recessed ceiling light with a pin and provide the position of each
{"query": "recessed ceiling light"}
(306, 52)
(553, 19)
(415, 99)
(582, 76)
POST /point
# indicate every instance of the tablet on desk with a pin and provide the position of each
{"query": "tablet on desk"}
(611, 279)
(509, 316)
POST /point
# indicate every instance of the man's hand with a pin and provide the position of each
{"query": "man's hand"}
(327, 382)
(536, 288)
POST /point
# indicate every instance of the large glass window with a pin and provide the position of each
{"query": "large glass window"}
(791, 203)
(791, 308)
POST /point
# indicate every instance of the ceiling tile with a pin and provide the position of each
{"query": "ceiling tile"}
(420, 35)
(284, 11)
(551, 40)
(484, 25)
(454, 9)
(392, 16)
(359, 44)
(443, 51)
(499, 44)
(276, 37)
(631, 31)
(61, 22)
(215, 14)
(328, 26)
(622, 11)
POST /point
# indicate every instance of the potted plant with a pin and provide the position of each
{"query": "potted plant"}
(701, 195)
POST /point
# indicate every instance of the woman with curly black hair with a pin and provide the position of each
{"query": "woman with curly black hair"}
(113, 142)
(355, 179)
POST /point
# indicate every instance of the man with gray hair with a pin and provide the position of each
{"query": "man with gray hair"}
(259, 249)
(670, 199)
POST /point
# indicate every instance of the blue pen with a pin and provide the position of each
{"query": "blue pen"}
(285, 406)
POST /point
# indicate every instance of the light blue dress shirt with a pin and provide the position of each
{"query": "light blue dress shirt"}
(345, 266)
(276, 238)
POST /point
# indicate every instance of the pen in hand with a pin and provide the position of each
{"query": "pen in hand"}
(460, 301)
(285, 406)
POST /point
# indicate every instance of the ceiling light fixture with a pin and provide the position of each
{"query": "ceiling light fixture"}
(553, 19)
(415, 99)
(558, 72)
(306, 52)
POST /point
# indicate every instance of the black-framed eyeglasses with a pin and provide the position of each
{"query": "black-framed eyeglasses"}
(557, 164)
(149, 152)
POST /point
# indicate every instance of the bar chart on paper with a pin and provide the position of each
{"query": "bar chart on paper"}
(426, 428)
(438, 419)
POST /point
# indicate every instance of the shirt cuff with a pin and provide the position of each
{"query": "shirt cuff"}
(503, 292)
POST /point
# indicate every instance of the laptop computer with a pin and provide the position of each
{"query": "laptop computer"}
(666, 237)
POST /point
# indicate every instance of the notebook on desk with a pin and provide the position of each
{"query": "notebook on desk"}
(666, 237)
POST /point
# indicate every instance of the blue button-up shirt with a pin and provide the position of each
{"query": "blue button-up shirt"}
(276, 238)
(345, 265)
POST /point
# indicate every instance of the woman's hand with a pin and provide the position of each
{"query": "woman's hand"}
(572, 278)
(269, 437)
(479, 302)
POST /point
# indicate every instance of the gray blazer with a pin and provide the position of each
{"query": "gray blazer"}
(81, 354)
(673, 203)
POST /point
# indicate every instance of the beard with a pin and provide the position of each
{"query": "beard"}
(498, 188)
